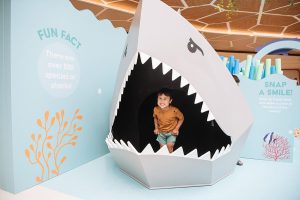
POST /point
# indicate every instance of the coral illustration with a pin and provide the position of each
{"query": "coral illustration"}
(56, 133)
(297, 133)
(276, 147)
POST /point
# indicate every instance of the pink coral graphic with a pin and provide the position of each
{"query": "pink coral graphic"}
(278, 148)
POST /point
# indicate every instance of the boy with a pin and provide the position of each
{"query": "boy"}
(167, 120)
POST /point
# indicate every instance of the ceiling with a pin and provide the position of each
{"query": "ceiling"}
(253, 23)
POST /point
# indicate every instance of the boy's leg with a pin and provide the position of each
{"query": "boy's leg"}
(170, 146)
(162, 140)
(160, 145)
(171, 139)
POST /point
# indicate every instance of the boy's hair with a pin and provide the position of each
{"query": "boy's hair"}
(166, 92)
(236, 78)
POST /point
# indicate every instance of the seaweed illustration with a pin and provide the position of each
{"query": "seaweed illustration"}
(276, 147)
(56, 133)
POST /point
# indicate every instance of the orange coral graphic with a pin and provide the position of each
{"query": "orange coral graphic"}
(56, 133)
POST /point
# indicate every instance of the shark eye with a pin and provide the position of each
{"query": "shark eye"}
(193, 47)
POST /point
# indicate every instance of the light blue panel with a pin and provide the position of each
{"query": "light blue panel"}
(6, 149)
(72, 66)
(274, 102)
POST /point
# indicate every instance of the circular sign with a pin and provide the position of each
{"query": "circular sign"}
(58, 70)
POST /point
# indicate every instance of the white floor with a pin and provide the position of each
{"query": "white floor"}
(36, 193)
(101, 179)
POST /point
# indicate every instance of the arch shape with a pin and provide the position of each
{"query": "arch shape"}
(274, 46)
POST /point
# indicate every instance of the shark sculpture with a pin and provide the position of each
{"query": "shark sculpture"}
(165, 50)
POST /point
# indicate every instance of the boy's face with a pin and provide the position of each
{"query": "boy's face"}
(163, 101)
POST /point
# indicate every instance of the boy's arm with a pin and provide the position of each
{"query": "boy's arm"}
(155, 121)
(179, 123)
(176, 129)
(155, 125)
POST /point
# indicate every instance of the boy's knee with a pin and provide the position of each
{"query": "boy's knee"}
(170, 147)
(170, 144)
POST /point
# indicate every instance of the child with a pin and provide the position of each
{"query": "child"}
(167, 120)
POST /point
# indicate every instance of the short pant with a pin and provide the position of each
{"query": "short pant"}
(165, 138)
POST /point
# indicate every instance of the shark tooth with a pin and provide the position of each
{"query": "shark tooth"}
(216, 155)
(222, 151)
(118, 104)
(155, 63)
(116, 111)
(130, 68)
(227, 149)
(118, 145)
(128, 74)
(120, 97)
(163, 150)
(108, 144)
(204, 107)
(131, 148)
(192, 154)
(144, 57)
(175, 74)
(191, 90)
(198, 99)
(205, 156)
(178, 152)
(183, 82)
(111, 143)
(110, 136)
(121, 91)
(166, 68)
(148, 150)
(125, 78)
(210, 117)
(124, 145)
(135, 58)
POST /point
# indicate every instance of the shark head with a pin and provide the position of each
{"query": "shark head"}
(163, 50)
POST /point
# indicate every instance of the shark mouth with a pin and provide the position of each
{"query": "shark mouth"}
(133, 124)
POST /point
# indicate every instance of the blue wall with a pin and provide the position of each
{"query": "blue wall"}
(6, 151)
(79, 54)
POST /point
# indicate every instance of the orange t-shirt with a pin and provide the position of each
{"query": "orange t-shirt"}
(167, 119)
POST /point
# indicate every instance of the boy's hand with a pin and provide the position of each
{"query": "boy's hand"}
(175, 132)
(156, 131)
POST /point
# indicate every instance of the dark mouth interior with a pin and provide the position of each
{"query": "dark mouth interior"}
(134, 120)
